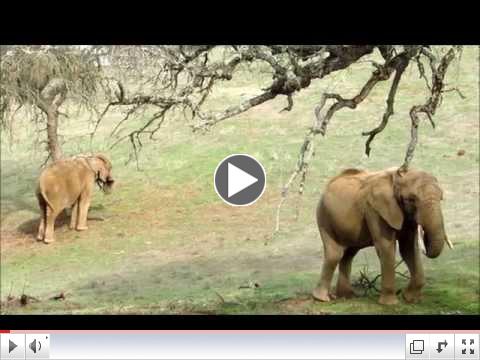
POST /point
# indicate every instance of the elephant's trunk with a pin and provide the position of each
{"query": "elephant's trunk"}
(434, 236)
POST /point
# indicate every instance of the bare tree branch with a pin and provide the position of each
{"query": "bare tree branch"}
(399, 69)
(293, 69)
(212, 120)
(432, 103)
(307, 150)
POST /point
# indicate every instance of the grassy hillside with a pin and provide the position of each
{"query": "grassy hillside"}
(163, 242)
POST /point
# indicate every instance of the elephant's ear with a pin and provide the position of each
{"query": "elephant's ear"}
(382, 199)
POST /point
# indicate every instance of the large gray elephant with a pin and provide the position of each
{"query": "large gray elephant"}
(70, 182)
(361, 208)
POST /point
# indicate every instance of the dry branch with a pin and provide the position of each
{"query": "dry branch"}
(184, 73)
(429, 108)
(179, 79)
(212, 120)
(188, 74)
(399, 69)
(307, 150)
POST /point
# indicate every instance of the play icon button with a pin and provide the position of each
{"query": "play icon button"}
(11, 346)
(239, 180)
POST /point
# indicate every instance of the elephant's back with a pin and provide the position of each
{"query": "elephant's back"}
(60, 176)
(338, 208)
(62, 168)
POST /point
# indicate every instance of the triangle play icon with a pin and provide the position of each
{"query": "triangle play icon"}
(11, 346)
(238, 180)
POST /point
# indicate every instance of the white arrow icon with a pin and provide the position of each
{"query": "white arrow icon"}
(238, 180)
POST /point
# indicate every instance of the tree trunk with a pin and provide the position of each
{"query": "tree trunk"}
(52, 134)
(50, 99)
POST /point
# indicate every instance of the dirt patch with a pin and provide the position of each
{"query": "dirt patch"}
(223, 213)
(209, 236)
(24, 236)
(149, 211)
(227, 221)
(12, 239)
(302, 304)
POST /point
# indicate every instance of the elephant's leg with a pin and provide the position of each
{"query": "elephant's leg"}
(51, 216)
(411, 255)
(43, 215)
(384, 239)
(83, 206)
(386, 253)
(344, 287)
(41, 228)
(333, 252)
(74, 216)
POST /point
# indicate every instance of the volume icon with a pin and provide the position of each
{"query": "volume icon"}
(35, 346)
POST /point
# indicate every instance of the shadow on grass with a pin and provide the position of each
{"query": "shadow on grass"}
(30, 227)
(17, 188)
(223, 285)
(212, 284)
(12, 203)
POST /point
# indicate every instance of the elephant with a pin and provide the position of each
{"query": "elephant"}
(69, 182)
(360, 208)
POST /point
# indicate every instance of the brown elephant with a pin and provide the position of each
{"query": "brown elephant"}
(67, 183)
(361, 208)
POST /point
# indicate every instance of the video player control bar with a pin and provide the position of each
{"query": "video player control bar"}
(230, 345)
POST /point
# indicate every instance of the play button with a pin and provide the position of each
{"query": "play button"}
(239, 180)
(11, 346)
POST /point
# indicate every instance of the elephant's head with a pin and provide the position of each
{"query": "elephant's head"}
(411, 198)
(419, 196)
(103, 172)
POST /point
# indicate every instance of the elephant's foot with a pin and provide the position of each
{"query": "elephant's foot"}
(40, 233)
(322, 294)
(388, 300)
(48, 240)
(71, 227)
(412, 296)
(345, 292)
(82, 228)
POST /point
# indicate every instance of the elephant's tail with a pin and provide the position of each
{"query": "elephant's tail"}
(41, 195)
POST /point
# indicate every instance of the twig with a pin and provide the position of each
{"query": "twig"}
(46, 160)
(457, 90)
(289, 104)
(222, 300)
(368, 284)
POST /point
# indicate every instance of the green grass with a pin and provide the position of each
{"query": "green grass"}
(168, 244)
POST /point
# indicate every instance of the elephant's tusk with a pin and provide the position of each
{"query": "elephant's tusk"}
(449, 243)
(420, 232)
(420, 240)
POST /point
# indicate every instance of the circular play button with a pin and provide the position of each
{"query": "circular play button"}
(239, 180)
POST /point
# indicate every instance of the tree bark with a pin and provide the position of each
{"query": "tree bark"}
(49, 100)
(54, 148)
